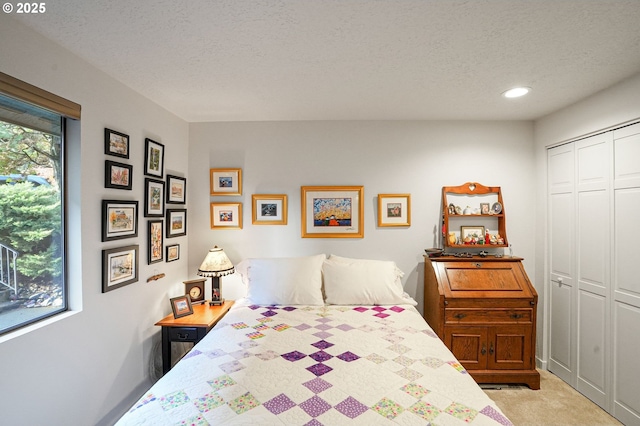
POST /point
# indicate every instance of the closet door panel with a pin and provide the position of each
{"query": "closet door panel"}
(561, 209)
(626, 234)
(626, 372)
(626, 155)
(593, 236)
(592, 347)
(560, 352)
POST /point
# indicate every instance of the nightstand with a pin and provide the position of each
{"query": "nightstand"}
(191, 328)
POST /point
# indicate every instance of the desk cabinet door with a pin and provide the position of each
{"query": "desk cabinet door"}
(469, 345)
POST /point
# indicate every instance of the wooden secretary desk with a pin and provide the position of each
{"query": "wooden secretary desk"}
(484, 309)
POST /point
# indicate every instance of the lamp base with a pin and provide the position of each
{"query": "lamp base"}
(216, 302)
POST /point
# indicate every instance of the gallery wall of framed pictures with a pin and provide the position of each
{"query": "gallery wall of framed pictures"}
(120, 215)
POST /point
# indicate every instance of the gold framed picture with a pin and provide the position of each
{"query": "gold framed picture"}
(269, 209)
(332, 211)
(225, 181)
(394, 209)
(226, 215)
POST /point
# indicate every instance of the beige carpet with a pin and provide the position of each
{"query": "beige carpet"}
(556, 403)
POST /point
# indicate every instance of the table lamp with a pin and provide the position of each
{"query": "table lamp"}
(215, 265)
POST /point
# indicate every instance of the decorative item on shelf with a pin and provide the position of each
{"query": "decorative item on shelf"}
(215, 265)
(195, 290)
(433, 252)
(496, 208)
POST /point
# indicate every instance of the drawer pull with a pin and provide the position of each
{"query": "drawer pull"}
(517, 316)
(478, 265)
(183, 336)
(483, 351)
(491, 348)
(459, 316)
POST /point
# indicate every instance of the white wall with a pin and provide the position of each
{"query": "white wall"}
(385, 157)
(89, 367)
(609, 108)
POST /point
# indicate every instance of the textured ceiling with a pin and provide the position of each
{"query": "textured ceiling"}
(208, 60)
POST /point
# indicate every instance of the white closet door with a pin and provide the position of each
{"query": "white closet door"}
(561, 178)
(593, 231)
(626, 278)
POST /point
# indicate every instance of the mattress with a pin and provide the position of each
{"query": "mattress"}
(317, 365)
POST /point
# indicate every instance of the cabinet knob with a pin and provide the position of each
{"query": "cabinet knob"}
(478, 265)
(483, 351)
(491, 348)
(516, 316)
(459, 316)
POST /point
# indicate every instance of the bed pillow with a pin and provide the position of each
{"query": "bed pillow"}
(283, 281)
(363, 282)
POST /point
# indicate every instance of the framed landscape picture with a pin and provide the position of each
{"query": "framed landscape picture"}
(176, 190)
(176, 222)
(269, 209)
(119, 219)
(173, 252)
(225, 181)
(119, 267)
(332, 211)
(394, 209)
(116, 143)
(153, 198)
(154, 158)
(118, 175)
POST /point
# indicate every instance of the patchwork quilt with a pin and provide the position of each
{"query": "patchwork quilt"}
(317, 365)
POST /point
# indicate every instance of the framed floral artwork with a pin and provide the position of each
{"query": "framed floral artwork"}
(153, 158)
(269, 209)
(332, 211)
(155, 243)
(225, 181)
(118, 175)
(394, 210)
(226, 215)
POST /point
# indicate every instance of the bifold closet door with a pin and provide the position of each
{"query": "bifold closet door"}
(626, 276)
(593, 236)
(562, 339)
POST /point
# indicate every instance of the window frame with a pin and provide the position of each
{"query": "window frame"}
(27, 93)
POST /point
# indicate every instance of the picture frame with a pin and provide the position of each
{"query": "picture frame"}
(269, 209)
(119, 219)
(226, 215)
(153, 158)
(118, 175)
(173, 252)
(485, 208)
(181, 306)
(225, 182)
(155, 241)
(116, 143)
(153, 198)
(176, 189)
(176, 222)
(332, 211)
(475, 232)
(119, 267)
(394, 210)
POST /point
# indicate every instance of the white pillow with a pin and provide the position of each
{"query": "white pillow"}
(284, 281)
(363, 282)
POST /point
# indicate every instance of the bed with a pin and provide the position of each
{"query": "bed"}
(323, 359)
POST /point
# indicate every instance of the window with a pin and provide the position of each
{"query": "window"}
(32, 203)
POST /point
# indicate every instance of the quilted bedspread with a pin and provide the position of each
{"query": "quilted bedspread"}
(317, 365)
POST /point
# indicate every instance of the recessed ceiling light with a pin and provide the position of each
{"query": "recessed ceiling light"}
(516, 92)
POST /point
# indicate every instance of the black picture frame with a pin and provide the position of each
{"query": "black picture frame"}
(118, 175)
(119, 267)
(176, 189)
(116, 143)
(119, 219)
(155, 241)
(173, 252)
(153, 198)
(153, 158)
(176, 223)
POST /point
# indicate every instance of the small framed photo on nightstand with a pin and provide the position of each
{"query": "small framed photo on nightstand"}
(181, 306)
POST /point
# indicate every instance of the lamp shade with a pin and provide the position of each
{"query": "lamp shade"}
(216, 264)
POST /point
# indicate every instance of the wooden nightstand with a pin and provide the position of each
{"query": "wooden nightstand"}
(191, 328)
